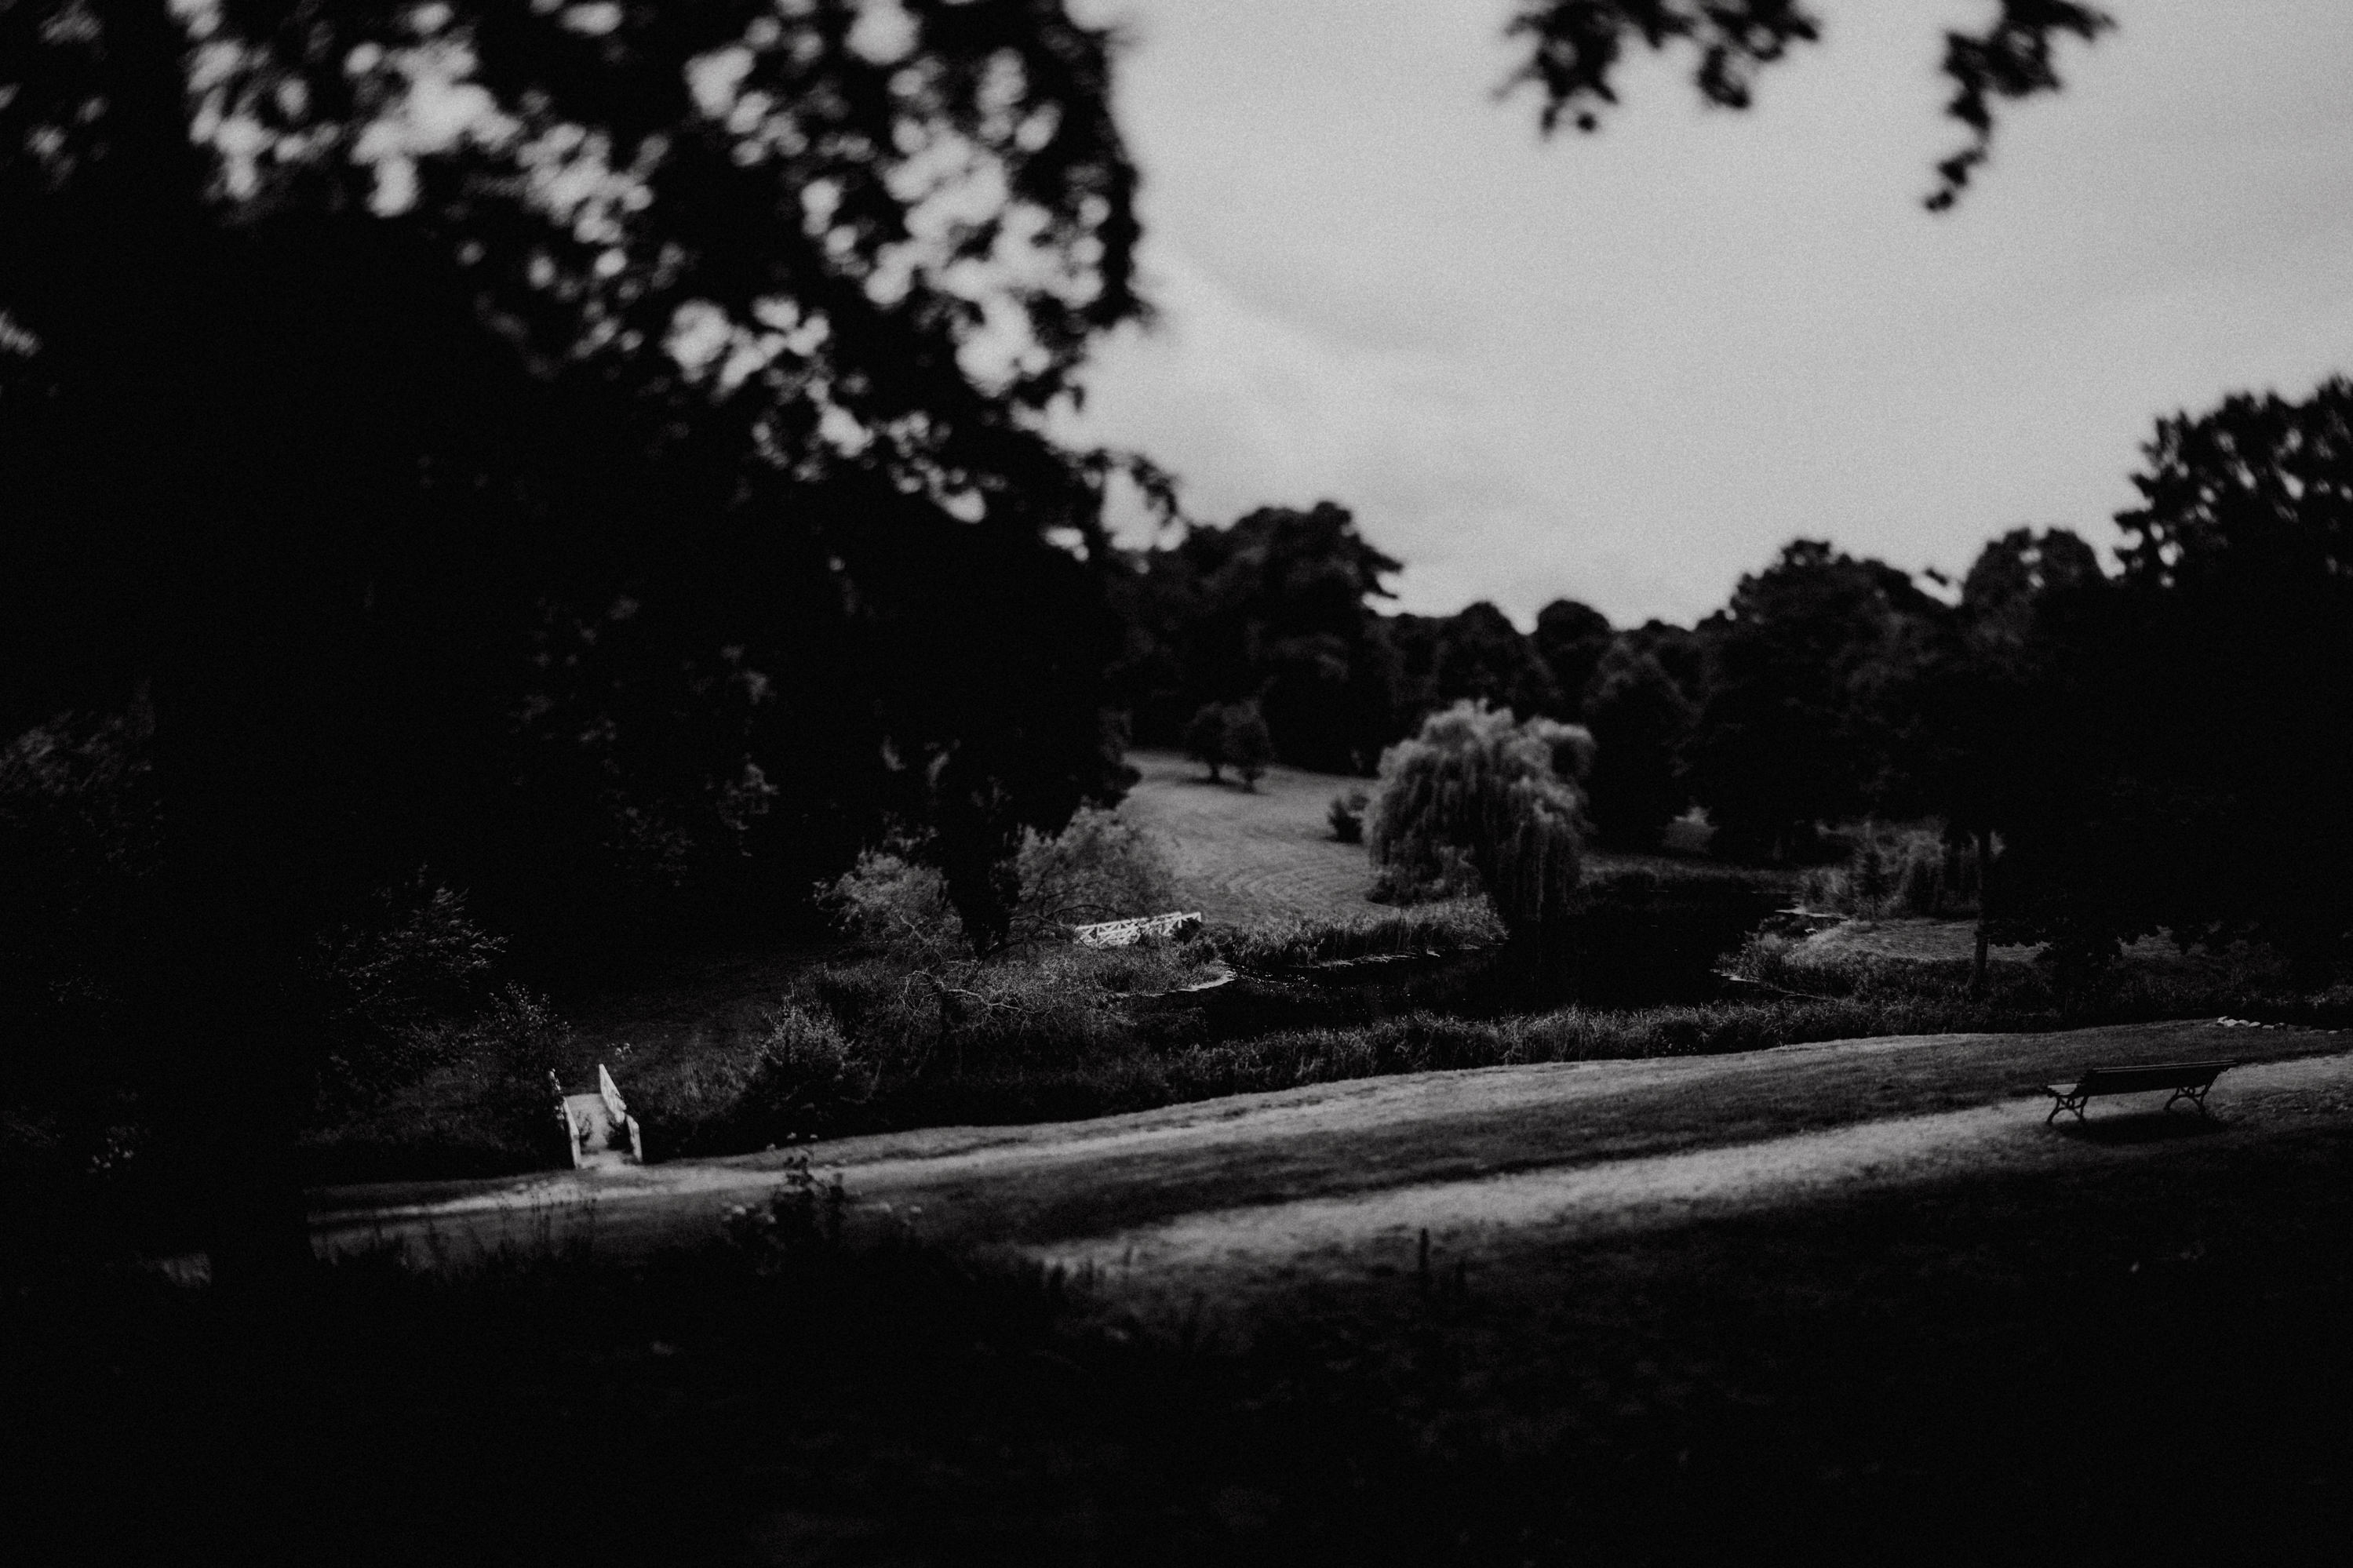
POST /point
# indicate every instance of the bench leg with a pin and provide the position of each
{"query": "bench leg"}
(2196, 1096)
(2073, 1102)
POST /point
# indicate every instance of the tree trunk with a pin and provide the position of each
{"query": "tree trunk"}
(1984, 908)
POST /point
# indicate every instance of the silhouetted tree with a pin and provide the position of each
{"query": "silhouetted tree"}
(1804, 678)
(440, 406)
(2235, 714)
(1998, 737)
(1571, 640)
(1639, 719)
(1277, 607)
(1205, 738)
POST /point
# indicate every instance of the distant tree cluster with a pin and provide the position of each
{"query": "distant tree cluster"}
(1280, 613)
(2168, 746)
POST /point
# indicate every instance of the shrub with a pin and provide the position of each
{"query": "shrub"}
(802, 1078)
(1631, 936)
(1205, 738)
(1904, 871)
(1346, 816)
(1249, 744)
(482, 1106)
(1499, 795)
(81, 830)
(1455, 926)
(1101, 867)
(896, 902)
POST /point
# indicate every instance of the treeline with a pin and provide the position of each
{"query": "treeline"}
(1281, 611)
(2163, 744)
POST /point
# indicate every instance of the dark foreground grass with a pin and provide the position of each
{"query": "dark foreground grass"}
(2140, 1360)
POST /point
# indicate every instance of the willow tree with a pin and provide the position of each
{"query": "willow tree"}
(1473, 787)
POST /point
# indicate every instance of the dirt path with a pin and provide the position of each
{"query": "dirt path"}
(1259, 1193)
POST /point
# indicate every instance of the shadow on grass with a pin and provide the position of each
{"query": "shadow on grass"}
(2142, 1127)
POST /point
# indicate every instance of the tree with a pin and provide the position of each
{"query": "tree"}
(1801, 675)
(1278, 607)
(1640, 719)
(429, 402)
(1502, 795)
(1248, 744)
(1576, 48)
(2234, 715)
(1571, 638)
(1205, 738)
(2001, 736)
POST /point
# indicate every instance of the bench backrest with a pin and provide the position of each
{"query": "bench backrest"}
(2148, 1076)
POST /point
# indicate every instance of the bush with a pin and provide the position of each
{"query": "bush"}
(482, 1105)
(1631, 936)
(81, 830)
(1249, 744)
(895, 902)
(402, 991)
(802, 1078)
(1346, 817)
(1499, 796)
(1101, 867)
(1903, 871)
(1458, 925)
(1205, 738)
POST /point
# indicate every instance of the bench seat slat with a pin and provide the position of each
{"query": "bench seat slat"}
(2148, 1077)
(2187, 1081)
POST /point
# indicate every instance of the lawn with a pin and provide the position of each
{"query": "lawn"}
(1247, 855)
(2139, 1359)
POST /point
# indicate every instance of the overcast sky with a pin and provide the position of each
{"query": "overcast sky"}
(1625, 368)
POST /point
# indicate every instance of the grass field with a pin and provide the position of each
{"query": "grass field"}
(1243, 856)
(2121, 1344)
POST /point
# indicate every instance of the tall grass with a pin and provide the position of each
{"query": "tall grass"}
(1449, 926)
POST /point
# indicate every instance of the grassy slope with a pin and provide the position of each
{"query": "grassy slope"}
(2130, 1358)
(1247, 855)
(1040, 1184)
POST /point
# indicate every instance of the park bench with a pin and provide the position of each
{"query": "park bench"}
(2187, 1081)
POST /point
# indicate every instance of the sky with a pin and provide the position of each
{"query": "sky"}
(1625, 368)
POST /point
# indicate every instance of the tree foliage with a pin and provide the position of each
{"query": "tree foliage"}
(1572, 639)
(1576, 48)
(1640, 719)
(1248, 745)
(1279, 607)
(569, 444)
(1501, 794)
(1804, 668)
